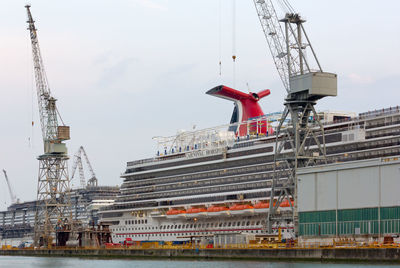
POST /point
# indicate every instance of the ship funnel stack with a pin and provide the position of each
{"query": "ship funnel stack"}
(246, 108)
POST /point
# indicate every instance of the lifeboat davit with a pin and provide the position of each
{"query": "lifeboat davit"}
(175, 213)
(261, 207)
(239, 209)
(217, 211)
(196, 212)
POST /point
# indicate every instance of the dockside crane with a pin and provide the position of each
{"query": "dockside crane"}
(13, 197)
(302, 142)
(78, 163)
(53, 198)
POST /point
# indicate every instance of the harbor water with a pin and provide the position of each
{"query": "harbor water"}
(50, 262)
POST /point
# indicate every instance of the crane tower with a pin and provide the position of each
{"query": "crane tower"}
(301, 143)
(53, 199)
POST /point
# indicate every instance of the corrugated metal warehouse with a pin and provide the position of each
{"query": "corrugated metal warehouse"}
(360, 197)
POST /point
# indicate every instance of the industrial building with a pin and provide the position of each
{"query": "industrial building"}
(355, 198)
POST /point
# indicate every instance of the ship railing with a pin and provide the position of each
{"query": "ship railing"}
(367, 115)
(384, 111)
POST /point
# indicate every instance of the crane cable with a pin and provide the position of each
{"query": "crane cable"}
(30, 91)
(286, 6)
(220, 37)
(234, 40)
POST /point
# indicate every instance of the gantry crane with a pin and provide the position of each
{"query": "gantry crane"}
(301, 142)
(13, 197)
(53, 198)
(78, 163)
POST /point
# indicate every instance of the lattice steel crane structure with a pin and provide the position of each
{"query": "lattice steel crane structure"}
(53, 198)
(301, 142)
(13, 197)
(78, 163)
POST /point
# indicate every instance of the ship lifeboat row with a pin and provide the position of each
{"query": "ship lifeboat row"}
(236, 209)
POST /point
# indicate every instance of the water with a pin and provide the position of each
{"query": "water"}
(56, 262)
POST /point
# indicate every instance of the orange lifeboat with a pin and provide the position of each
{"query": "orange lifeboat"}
(261, 207)
(217, 210)
(173, 213)
(196, 212)
(237, 209)
(285, 204)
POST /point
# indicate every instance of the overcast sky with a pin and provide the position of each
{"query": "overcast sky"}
(125, 71)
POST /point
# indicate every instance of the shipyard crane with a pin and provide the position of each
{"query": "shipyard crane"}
(302, 142)
(78, 163)
(13, 197)
(53, 197)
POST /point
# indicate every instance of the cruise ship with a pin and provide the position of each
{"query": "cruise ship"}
(218, 180)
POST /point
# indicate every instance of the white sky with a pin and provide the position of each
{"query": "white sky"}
(127, 70)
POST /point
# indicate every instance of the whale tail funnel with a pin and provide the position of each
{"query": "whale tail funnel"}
(246, 108)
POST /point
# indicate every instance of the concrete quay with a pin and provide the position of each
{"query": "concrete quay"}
(328, 254)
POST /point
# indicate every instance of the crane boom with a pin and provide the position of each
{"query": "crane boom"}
(48, 116)
(52, 133)
(93, 180)
(287, 46)
(78, 163)
(12, 195)
(274, 35)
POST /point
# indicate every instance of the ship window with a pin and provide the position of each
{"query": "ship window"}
(248, 223)
(243, 223)
(208, 224)
(191, 226)
(168, 226)
(135, 221)
(258, 223)
(179, 226)
(175, 226)
(220, 224)
(233, 224)
(229, 224)
(225, 224)
(145, 221)
(252, 223)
